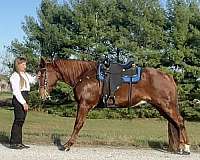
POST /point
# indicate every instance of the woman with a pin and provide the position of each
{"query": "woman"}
(20, 84)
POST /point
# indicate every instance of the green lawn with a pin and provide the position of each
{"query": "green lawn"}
(41, 127)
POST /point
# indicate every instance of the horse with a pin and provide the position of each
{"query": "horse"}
(155, 87)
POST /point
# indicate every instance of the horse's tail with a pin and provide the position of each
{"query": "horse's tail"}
(174, 81)
(173, 137)
(173, 133)
(176, 93)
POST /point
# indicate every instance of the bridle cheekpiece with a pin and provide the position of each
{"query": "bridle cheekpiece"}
(44, 85)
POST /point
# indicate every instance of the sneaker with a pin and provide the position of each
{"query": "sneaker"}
(16, 146)
(19, 146)
(24, 146)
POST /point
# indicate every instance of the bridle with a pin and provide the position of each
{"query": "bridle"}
(44, 85)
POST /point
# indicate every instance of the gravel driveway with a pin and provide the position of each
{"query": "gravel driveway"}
(90, 153)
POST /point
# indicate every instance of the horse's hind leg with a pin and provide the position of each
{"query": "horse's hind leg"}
(178, 137)
(83, 109)
(177, 131)
(184, 141)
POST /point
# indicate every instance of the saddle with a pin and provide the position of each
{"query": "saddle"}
(113, 76)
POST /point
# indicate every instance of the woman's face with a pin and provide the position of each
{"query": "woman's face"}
(22, 67)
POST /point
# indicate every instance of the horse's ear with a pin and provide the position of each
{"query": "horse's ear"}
(42, 63)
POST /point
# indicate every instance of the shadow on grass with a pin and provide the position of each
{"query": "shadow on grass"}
(158, 145)
(57, 141)
(5, 103)
(4, 139)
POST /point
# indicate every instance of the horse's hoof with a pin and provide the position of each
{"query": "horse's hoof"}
(182, 152)
(67, 149)
(186, 153)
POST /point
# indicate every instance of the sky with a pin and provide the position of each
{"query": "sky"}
(12, 14)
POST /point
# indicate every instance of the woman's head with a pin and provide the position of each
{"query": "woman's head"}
(20, 64)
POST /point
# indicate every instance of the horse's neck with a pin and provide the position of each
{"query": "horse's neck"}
(72, 70)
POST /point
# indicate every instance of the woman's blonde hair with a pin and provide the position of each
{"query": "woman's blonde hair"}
(17, 62)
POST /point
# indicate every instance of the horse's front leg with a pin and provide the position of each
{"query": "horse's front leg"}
(82, 111)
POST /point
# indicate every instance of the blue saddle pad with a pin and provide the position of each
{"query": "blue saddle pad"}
(134, 78)
(101, 75)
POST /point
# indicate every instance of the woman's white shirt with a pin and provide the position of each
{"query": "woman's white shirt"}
(15, 84)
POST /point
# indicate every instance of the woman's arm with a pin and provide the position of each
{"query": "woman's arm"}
(32, 79)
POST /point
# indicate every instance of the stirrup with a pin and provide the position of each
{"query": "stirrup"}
(105, 99)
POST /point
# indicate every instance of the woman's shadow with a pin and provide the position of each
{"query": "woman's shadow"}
(4, 139)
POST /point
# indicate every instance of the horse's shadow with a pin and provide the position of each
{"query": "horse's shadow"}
(158, 145)
(155, 145)
(57, 141)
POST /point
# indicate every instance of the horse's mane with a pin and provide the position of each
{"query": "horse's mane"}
(74, 69)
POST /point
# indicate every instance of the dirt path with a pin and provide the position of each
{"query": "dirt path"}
(89, 153)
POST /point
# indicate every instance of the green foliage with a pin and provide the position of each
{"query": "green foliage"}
(35, 101)
(190, 111)
(69, 110)
(62, 93)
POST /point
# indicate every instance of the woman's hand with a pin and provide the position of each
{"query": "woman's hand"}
(25, 107)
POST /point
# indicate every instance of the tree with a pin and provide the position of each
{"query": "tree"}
(24, 49)
(54, 30)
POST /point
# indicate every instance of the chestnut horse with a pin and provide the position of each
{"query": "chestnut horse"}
(155, 87)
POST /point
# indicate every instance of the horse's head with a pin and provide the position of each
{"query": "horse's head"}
(47, 77)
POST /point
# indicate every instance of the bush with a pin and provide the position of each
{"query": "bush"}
(190, 111)
(35, 101)
(63, 93)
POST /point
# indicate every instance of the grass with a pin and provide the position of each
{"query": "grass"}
(41, 127)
